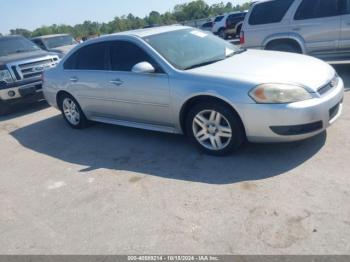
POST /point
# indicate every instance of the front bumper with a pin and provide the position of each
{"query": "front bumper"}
(22, 93)
(291, 122)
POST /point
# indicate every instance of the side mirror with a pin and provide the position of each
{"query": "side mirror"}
(143, 67)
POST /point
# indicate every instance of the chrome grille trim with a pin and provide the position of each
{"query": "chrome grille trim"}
(329, 86)
(32, 68)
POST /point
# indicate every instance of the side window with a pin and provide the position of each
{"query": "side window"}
(344, 7)
(91, 57)
(309, 9)
(269, 12)
(124, 55)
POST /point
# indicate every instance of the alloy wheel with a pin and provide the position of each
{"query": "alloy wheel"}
(71, 111)
(212, 130)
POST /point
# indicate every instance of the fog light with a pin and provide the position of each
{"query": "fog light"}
(11, 93)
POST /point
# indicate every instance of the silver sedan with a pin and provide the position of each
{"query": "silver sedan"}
(182, 80)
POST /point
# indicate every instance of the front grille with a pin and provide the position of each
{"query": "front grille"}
(329, 86)
(32, 69)
(14, 69)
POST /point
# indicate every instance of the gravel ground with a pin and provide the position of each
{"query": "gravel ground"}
(115, 190)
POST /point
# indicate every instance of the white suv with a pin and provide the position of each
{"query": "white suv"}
(320, 28)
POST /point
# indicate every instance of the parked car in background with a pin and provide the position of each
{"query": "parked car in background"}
(228, 24)
(234, 24)
(21, 66)
(182, 80)
(60, 44)
(207, 26)
(320, 28)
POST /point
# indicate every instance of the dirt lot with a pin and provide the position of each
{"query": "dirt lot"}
(118, 190)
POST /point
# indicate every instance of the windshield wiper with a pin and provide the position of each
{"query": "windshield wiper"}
(203, 64)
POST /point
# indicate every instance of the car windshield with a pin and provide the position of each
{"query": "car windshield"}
(190, 48)
(58, 41)
(13, 45)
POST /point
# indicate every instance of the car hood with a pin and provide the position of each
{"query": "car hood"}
(258, 67)
(63, 49)
(22, 56)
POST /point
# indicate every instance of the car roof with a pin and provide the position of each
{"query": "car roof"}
(148, 31)
(49, 36)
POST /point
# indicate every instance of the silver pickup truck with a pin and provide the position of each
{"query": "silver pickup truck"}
(320, 28)
(21, 67)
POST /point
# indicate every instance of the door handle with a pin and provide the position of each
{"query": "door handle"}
(117, 82)
(74, 79)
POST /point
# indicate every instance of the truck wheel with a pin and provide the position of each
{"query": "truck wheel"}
(214, 128)
(72, 112)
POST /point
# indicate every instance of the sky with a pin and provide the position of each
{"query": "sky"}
(31, 14)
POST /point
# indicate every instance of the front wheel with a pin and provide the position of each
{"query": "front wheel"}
(215, 129)
(72, 112)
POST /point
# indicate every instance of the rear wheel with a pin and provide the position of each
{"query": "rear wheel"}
(72, 112)
(215, 128)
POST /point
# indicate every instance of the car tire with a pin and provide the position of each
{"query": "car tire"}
(222, 33)
(284, 47)
(215, 128)
(72, 112)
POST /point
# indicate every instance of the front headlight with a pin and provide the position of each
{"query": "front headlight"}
(5, 76)
(279, 94)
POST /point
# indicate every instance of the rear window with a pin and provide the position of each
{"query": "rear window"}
(309, 9)
(219, 18)
(269, 12)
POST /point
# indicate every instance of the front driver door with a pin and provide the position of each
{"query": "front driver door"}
(137, 97)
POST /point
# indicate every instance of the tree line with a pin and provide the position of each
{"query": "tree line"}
(197, 9)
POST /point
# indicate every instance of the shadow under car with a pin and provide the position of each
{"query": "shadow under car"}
(158, 154)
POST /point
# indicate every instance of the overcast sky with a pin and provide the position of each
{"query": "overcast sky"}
(30, 14)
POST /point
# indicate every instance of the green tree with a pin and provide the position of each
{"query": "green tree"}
(197, 9)
(21, 31)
